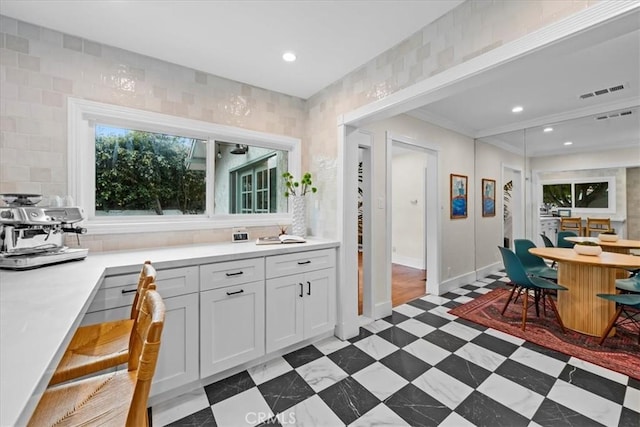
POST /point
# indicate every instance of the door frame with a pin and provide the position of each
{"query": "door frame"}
(518, 229)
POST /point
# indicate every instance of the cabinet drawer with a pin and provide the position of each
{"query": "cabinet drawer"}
(283, 265)
(119, 291)
(229, 273)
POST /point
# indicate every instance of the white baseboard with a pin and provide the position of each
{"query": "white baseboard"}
(489, 269)
(344, 331)
(408, 261)
(456, 282)
(382, 309)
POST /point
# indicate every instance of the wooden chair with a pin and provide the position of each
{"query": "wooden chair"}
(597, 225)
(94, 348)
(571, 224)
(118, 398)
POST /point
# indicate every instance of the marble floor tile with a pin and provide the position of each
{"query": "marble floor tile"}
(541, 362)
(395, 318)
(455, 420)
(408, 310)
(397, 336)
(480, 356)
(461, 331)
(526, 376)
(416, 327)
(269, 370)
(377, 326)
(404, 364)
(302, 356)
(351, 359)
(481, 410)
(442, 387)
(426, 351)
(599, 370)
(380, 380)
(321, 373)
(228, 387)
(505, 337)
(416, 407)
(285, 391)
(444, 340)
(330, 344)
(245, 409)
(632, 400)
(201, 418)
(597, 384)
(376, 347)
(443, 312)
(349, 400)
(514, 396)
(180, 407)
(463, 370)
(494, 344)
(381, 415)
(585, 402)
(432, 319)
(312, 412)
(552, 414)
(435, 299)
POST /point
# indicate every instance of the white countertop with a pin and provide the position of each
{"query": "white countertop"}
(41, 308)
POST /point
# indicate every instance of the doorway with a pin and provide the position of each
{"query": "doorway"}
(412, 219)
(513, 204)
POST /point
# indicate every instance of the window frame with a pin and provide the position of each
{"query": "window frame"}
(82, 117)
(610, 180)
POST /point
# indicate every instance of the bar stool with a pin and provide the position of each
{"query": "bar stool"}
(571, 224)
(118, 398)
(102, 345)
(597, 225)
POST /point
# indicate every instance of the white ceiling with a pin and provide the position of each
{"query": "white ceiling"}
(243, 40)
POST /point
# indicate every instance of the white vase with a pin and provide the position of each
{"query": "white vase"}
(299, 220)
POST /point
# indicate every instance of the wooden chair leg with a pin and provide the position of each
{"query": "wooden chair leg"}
(525, 303)
(508, 299)
(610, 325)
(555, 311)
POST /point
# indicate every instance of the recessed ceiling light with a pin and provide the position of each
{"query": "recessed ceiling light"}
(568, 143)
(549, 129)
(517, 109)
(289, 56)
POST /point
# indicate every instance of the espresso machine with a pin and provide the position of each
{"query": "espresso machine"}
(33, 236)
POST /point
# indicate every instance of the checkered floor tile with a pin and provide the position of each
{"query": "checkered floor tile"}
(419, 367)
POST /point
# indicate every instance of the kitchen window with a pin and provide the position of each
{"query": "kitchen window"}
(587, 195)
(135, 171)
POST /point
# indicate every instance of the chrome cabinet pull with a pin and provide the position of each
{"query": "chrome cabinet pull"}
(235, 274)
(235, 293)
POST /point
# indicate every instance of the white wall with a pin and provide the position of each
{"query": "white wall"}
(407, 225)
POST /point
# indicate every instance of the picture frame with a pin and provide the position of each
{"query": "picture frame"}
(458, 190)
(488, 197)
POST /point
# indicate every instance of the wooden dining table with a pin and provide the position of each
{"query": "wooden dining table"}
(621, 246)
(585, 276)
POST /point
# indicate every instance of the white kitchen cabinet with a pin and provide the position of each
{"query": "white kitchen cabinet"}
(178, 358)
(302, 305)
(231, 314)
(549, 227)
(232, 326)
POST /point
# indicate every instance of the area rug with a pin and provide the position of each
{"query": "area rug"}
(620, 353)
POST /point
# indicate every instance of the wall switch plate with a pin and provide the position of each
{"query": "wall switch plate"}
(239, 235)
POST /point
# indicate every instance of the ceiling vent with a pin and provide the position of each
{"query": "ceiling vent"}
(614, 115)
(602, 91)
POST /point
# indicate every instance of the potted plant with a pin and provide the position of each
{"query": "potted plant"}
(587, 248)
(608, 236)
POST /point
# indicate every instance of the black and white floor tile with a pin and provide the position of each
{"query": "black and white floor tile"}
(418, 367)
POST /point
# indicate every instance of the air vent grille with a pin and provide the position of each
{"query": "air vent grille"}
(614, 115)
(604, 91)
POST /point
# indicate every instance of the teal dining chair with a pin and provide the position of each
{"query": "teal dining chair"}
(630, 285)
(521, 281)
(548, 244)
(628, 305)
(533, 264)
(562, 243)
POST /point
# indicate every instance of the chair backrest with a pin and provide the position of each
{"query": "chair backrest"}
(522, 247)
(547, 241)
(571, 223)
(514, 268)
(562, 243)
(143, 354)
(598, 225)
(147, 275)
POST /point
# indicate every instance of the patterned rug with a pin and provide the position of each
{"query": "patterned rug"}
(620, 353)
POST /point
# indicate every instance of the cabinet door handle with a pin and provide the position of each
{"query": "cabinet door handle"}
(304, 262)
(236, 292)
(234, 274)
(301, 290)
(129, 291)
(309, 290)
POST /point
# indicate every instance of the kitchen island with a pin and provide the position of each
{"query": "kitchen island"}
(41, 308)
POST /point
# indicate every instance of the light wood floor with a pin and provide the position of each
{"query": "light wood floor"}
(406, 284)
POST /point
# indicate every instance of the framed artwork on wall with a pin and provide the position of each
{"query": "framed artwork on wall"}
(488, 197)
(458, 195)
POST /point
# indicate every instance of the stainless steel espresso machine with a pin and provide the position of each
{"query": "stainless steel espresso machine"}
(32, 236)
